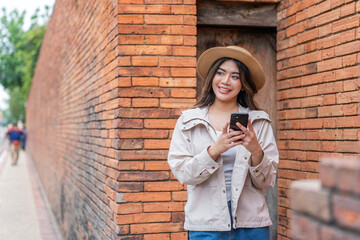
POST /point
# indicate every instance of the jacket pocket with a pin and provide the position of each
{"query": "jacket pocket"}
(202, 207)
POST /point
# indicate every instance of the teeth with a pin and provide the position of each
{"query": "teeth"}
(223, 89)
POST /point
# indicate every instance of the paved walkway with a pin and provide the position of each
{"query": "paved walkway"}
(24, 210)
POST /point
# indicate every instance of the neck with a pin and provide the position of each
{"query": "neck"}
(224, 106)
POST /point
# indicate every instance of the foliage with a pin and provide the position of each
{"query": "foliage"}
(17, 110)
(19, 53)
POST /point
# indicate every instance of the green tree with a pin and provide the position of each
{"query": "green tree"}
(19, 53)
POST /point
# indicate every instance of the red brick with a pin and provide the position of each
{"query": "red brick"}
(177, 61)
(144, 92)
(143, 133)
(143, 113)
(348, 146)
(163, 207)
(346, 23)
(156, 144)
(126, 208)
(155, 228)
(352, 122)
(144, 50)
(183, 93)
(184, 51)
(164, 19)
(131, 19)
(160, 123)
(163, 1)
(144, 72)
(157, 165)
(330, 233)
(304, 228)
(131, 39)
(145, 102)
(163, 186)
(348, 9)
(165, 40)
(190, 40)
(145, 81)
(130, 165)
(346, 211)
(130, 187)
(350, 134)
(183, 9)
(177, 82)
(147, 197)
(348, 48)
(144, 61)
(164, 236)
(183, 30)
(146, 9)
(177, 103)
(143, 218)
(179, 196)
(141, 155)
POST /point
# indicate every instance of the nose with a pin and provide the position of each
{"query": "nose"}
(226, 79)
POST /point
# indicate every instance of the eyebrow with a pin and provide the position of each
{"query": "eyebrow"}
(225, 71)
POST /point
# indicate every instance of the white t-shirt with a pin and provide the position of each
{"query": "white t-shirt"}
(229, 159)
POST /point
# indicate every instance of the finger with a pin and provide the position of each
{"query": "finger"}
(234, 133)
(237, 137)
(244, 129)
(225, 128)
(233, 144)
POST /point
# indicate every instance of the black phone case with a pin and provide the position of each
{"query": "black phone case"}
(242, 118)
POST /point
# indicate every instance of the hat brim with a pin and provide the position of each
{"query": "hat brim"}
(207, 59)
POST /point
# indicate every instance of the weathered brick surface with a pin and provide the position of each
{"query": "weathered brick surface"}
(308, 197)
(318, 95)
(324, 209)
(111, 80)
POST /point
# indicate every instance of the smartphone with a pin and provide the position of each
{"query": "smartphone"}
(242, 118)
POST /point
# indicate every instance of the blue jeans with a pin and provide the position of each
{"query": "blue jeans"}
(235, 234)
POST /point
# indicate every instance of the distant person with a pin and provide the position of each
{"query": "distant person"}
(23, 139)
(14, 134)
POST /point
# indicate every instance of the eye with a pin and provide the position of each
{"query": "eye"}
(235, 77)
(220, 73)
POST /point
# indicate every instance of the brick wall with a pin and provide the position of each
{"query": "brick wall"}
(157, 44)
(330, 208)
(318, 90)
(110, 82)
(70, 116)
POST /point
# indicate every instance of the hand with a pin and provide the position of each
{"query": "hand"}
(225, 141)
(250, 142)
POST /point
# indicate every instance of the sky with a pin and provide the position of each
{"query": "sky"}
(29, 6)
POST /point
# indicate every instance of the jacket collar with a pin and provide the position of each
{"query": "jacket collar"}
(202, 114)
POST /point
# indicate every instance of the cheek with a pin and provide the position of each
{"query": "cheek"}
(214, 83)
(237, 85)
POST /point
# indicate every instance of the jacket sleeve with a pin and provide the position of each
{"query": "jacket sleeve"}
(264, 174)
(188, 168)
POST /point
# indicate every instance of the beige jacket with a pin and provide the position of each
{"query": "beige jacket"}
(206, 208)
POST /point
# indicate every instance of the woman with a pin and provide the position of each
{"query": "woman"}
(225, 170)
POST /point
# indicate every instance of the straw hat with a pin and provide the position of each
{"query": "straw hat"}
(207, 59)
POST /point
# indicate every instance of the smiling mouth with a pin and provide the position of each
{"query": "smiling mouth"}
(223, 90)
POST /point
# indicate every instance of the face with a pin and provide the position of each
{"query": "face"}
(226, 83)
